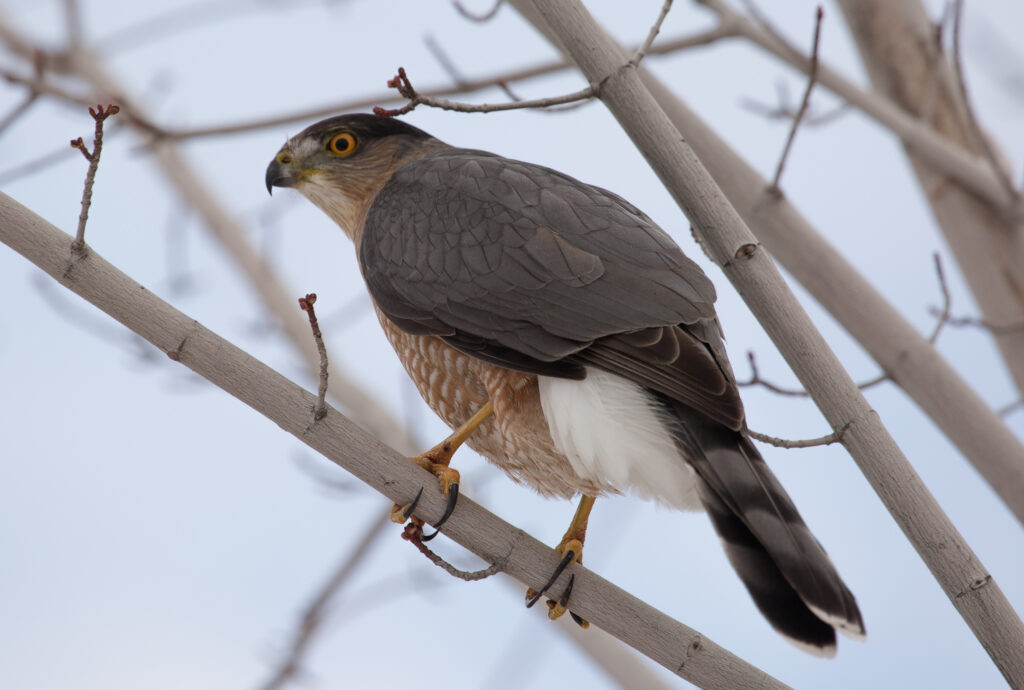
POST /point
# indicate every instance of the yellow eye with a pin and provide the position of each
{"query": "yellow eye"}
(343, 144)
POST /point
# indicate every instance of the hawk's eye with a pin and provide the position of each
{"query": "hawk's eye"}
(342, 144)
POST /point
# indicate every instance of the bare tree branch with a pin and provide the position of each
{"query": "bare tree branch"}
(682, 650)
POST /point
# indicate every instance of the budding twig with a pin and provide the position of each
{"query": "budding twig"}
(402, 84)
(651, 35)
(306, 304)
(99, 115)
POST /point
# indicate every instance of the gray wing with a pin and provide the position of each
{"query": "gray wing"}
(525, 267)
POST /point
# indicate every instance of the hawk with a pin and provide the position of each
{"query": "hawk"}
(566, 338)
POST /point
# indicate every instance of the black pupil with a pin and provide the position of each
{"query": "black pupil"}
(341, 143)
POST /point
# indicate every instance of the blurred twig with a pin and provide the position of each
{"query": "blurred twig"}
(314, 613)
(798, 118)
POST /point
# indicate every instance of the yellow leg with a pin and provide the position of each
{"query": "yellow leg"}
(436, 459)
(571, 548)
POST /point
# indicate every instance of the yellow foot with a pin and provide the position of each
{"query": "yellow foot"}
(446, 476)
(448, 480)
(572, 552)
(436, 462)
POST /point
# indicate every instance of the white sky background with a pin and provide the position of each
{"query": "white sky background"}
(156, 533)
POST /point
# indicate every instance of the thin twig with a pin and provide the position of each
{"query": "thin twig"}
(402, 84)
(640, 52)
(947, 301)
(306, 304)
(444, 60)
(404, 87)
(486, 16)
(785, 111)
(980, 138)
(943, 316)
(812, 77)
(983, 324)
(468, 576)
(99, 115)
(834, 437)
(756, 380)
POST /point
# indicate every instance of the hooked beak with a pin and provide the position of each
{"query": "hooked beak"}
(279, 175)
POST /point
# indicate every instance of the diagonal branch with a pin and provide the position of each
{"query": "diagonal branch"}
(679, 648)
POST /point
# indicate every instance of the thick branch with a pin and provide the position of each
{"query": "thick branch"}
(758, 281)
(680, 649)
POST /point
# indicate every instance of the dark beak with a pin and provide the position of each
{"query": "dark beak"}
(280, 176)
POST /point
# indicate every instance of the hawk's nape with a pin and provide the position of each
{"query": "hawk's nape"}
(573, 320)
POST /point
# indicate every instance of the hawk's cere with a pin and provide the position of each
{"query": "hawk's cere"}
(568, 339)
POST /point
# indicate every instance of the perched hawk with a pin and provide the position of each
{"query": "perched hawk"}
(568, 340)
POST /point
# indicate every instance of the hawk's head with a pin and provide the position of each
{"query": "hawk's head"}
(340, 163)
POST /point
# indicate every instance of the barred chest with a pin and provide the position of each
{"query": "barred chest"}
(516, 438)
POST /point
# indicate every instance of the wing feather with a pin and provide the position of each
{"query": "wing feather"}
(529, 268)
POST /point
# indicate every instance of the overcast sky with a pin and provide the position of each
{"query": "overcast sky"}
(157, 533)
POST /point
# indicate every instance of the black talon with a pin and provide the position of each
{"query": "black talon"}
(568, 590)
(562, 565)
(453, 497)
(412, 506)
(564, 603)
